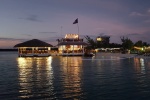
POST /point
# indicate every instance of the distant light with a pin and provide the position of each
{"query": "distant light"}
(99, 39)
(142, 49)
(138, 48)
(72, 36)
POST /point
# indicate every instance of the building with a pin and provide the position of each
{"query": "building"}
(71, 45)
(103, 39)
(33, 47)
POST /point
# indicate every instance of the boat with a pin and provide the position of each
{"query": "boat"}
(89, 54)
(71, 45)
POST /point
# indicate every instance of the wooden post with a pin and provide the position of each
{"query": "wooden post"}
(83, 49)
(73, 49)
(32, 50)
(62, 49)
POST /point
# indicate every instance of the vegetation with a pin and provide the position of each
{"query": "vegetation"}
(126, 45)
(91, 42)
(140, 47)
(141, 44)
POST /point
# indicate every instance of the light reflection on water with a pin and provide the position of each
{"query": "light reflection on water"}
(139, 64)
(99, 78)
(35, 77)
(72, 81)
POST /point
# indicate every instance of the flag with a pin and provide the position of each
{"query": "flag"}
(76, 21)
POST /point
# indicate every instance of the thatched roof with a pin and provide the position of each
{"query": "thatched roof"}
(72, 43)
(33, 43)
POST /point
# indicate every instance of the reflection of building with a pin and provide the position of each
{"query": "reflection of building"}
(139, 65)
(71, 45)
(71, 72)
(103, 39)
(33, 75)
(33, 47)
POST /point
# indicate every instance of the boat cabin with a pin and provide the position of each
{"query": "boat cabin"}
(71, 45)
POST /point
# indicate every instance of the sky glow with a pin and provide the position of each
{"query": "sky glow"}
(48, 20)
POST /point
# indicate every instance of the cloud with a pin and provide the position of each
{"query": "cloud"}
(33, 18)
(147, 21)
(8, 39)
(132, 34)
(12, 39)
(136, 14)
(48, 32)
(148, 10)
(146, 13)
(9, 42)
(139, 36)
(29, 35)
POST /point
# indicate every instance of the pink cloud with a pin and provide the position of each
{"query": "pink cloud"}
(8, 43)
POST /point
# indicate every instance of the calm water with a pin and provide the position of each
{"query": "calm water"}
(99, 78)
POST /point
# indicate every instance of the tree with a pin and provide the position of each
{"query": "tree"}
(91, 42)
(145, 44)
(139, 43)
(127, 44)
(114, 45)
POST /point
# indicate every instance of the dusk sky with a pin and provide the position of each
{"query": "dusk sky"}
(22, 20)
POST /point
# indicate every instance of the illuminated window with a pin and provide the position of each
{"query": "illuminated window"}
(72, 36)
(99, 39)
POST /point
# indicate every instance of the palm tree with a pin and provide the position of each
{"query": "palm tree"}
(91, 42)
(127, 44)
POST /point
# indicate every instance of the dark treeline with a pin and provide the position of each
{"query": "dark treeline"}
(127, 44)
(8, 49)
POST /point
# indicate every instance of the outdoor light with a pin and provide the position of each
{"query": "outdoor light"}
(99, 39)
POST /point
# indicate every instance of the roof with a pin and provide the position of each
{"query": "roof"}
(33, 43)
(72, 43)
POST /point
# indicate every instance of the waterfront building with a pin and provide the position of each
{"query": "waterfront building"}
(33, 47)
(103, 39)
(71, 45)
(112, 50)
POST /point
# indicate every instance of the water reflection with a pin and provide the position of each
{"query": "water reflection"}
(142, 65)
(139, 64)
(72, 71)
(35, 77)
(98, 79)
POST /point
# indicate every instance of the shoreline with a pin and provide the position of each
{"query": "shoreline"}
(121, 55)
(98, 54)
(116, 55)
(7, 50)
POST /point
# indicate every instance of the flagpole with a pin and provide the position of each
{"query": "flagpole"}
(76, 22)
(78, 28)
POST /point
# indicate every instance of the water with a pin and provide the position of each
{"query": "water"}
(75, 78)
